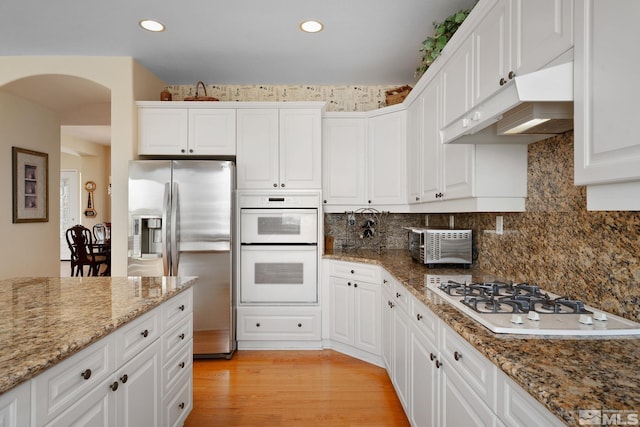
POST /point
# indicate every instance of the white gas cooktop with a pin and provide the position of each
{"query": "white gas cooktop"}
(529, 312)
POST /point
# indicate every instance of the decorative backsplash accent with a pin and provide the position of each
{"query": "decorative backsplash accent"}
(338, 98)
(556, 243)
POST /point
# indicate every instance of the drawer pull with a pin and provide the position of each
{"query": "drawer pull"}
(398, 295)
(257, 325)
(145, 333)
(352, 271)
(348, 283)
(419, 316)
(355, 285)
(124, 378)
(438, 364)
(181, 364)
(181, 405)
(384, 281)
(432, 356)
(181, 336)
(299, 325)
(114, 386)
(86, 374)
(457, 355)
(181, 308)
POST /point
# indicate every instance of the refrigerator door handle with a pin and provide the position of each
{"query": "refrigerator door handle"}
(175, 230)
(166, 219)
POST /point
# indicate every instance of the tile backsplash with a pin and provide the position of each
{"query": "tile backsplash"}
(556, 243)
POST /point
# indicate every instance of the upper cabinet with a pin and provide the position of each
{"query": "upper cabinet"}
(500, 40)
(279, 148)
(364, 160)
(182, 130)
(344, 159)
(607, 149)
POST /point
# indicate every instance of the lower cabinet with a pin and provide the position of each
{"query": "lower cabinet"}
(15, 406)
(126, 379)
(278, 326)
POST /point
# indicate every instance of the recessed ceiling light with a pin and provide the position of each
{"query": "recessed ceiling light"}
(151, 25)
(311, 26)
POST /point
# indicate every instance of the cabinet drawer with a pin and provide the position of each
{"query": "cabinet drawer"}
(424, 318)
(57, 388)
(474, 368)
(279, 323)
(355, 271)
(178, 404)
(176, 338)
(179, 366)
(133, 337)
(177, 308)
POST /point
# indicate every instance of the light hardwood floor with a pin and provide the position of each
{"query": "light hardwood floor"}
(292, 388)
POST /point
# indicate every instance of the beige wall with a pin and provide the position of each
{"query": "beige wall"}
(28, 249)
(120, 75)
(93, 163)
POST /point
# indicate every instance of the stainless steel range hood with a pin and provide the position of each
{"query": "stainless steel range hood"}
(530, 108)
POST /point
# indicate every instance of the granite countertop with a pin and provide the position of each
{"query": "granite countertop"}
(565, 374)
(45, 320)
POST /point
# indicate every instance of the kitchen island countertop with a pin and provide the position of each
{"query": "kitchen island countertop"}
(46, 320)
(566, 374)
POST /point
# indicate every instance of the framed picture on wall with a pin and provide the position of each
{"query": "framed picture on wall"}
(30, 186)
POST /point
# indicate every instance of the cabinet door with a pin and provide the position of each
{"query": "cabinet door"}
(341, 310)
(257, 145)
(387, 328)
(344, 158)
(138, 394)
(541, 31)
(423, 406)
(300, 148)
(457, 83)
(367, 321)
(414, 151)
(431, 158)
(387, 158)
(96, 408)
(162, 130)
(212, 131)
(492, 50)
(15, 406)
(401, 343)
(458, 161)
(607, 148)
(460, 406)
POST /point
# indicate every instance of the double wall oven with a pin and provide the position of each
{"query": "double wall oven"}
(278, 248)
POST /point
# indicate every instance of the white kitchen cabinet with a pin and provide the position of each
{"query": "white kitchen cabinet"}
(355, 313)
(517, 408)
(401, 332)
(139, 393)
(517, 37)
(186, 131)
(117, 380)
(607, 149)
(387, 326)
(279, 148)
(459, 405)
(457, 89)
(15, 406)
(260, 324)
(387, 159)
(344, 160)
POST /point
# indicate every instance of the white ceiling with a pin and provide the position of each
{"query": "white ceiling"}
(364, 42)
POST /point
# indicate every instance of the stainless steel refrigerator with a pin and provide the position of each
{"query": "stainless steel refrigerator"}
(180, 224)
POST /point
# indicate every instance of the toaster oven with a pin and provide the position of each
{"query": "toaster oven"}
(432, 246)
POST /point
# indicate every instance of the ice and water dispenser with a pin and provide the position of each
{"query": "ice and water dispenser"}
(147, 237)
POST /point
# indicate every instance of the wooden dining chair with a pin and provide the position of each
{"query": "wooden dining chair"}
(80, 241)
